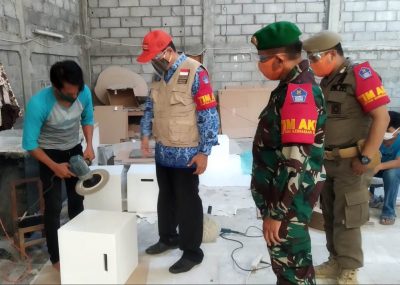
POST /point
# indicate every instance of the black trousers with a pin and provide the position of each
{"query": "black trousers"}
(179, 205)
(52, 198)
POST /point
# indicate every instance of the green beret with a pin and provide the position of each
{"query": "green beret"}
(321, 41)
(279, 34)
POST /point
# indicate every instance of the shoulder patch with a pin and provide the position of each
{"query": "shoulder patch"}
(299, 95)
(365, 72)
(204, 98)
(369, 90)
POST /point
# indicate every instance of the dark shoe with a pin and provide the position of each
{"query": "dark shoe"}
(160, 247)
(183, 265)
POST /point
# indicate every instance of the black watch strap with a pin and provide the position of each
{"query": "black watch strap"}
(364, 159)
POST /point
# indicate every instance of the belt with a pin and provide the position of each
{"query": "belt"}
(336, 153)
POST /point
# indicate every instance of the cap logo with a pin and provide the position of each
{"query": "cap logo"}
(145, 47)
(365, 73)
(254, 41)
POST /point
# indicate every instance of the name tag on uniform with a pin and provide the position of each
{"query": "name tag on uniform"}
(183, 76)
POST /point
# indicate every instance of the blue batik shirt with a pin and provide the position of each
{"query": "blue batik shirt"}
(207, 122)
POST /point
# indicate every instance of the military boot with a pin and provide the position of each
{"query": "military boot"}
(347, 276)
(328, 269)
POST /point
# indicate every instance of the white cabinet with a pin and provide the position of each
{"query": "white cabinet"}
(142, 191)
(98, 247)
(109, 198)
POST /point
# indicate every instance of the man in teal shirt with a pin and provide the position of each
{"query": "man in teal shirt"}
(51, 135)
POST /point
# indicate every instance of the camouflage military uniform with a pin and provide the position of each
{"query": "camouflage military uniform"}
(287, 180)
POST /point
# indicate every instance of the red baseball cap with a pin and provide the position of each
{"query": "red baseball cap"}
(153, 43)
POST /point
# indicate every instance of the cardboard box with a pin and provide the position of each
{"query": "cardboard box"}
(113, 123)
(122, 96)
(240, 108)
(133, 130)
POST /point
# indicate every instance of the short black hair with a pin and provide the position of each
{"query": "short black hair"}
(338, 48)
(294, 50)
(66, 71)
(394, 119)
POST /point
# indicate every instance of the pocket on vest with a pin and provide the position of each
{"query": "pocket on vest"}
(180, 132)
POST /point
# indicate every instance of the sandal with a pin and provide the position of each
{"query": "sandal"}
(387, 221)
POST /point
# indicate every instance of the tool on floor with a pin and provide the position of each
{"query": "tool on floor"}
(211, 228)
(90, 181)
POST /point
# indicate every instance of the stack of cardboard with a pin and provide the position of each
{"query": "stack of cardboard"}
(122, 95)
(118, 86)
(240, 107)
(113, 123)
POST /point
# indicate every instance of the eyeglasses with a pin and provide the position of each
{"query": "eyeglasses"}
(160, 55)
(316, 56)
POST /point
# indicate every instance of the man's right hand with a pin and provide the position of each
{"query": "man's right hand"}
(145, 146)
(62, 170)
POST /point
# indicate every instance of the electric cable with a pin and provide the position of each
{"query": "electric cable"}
(225, 231)
(28, 269)
(29, 265)
(38, 200)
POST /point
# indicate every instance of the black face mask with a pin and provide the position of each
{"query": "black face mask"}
(66, 98)
(160, 66)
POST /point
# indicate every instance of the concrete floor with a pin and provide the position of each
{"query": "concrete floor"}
(382, 256)
(382, 253)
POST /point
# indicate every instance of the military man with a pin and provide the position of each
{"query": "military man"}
(288, 172)
(356, 107)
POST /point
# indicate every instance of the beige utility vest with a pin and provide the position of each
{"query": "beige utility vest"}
(175, 119)
(347, 123)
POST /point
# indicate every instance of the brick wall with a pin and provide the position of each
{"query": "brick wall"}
(370, 30)
(127, 22)
(9, 25)
(234, 23)
(28, 65)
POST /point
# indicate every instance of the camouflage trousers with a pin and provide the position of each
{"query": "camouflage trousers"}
(292, 260)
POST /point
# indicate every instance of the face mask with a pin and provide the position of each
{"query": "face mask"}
(66, 97)
(267, 69)
(323, 67)
(160, 64)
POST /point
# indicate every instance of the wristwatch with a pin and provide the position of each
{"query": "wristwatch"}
(364, 159)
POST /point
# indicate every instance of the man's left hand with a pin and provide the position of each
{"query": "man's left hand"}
(357, 167)
(271, 231)
(88, 154)
(200, 160)
(378, 168)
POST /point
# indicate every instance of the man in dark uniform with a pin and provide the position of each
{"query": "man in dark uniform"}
(357, 121)
(288, 150)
